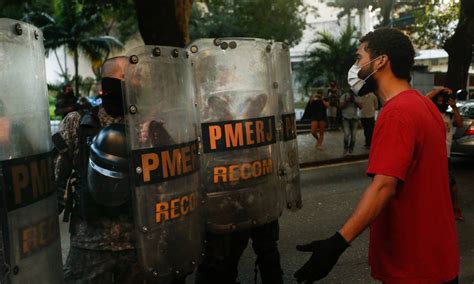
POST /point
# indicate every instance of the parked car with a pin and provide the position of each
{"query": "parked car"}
(463, 140)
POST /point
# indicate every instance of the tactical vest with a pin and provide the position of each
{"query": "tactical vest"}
(88, 128)
(85, 206)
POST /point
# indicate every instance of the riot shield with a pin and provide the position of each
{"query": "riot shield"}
(236, 110)
(162, 138)
(288, 165)
(28, 202)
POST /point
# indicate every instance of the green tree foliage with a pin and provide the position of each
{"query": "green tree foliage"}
(92, 27)
(348, 6)
(118, 18)
(281, 20)
(448, 24)
(435, 22)
(387, 8)
(74, 26)
(460, 47)
(330, 59)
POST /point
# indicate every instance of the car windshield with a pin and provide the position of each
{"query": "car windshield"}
(467, 111)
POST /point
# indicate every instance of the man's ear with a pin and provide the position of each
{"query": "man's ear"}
(383, 62)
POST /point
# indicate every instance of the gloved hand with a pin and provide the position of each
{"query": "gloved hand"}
(325, 255)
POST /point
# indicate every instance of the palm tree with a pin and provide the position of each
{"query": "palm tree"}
(330, 59)
(73, 26)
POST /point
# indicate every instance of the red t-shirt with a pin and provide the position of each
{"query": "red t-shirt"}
(414, 239)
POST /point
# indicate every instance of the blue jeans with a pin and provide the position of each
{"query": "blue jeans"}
(349, 126)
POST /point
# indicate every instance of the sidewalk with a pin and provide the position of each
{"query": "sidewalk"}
(333, 149)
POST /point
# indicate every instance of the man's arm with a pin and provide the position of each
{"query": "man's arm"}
(369, 207)
(65, 144)
(327, 252)
(358, 102)
(63, 169)
(457, 115)
(343, 101)
(326, 102)
(433, 93)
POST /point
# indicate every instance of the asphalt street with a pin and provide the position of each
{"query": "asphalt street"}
(330, 193)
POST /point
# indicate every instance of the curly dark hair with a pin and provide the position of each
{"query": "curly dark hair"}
(396, 45)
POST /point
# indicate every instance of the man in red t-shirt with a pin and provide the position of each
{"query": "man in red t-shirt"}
(407, 206)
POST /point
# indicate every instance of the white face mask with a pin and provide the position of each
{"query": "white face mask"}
(353, 79)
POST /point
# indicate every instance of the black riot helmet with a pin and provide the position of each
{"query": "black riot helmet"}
(107, 173)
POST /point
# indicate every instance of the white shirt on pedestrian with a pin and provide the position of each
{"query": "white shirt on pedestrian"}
(449, 123)
(369, 104)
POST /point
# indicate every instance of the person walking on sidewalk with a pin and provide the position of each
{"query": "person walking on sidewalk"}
(350, 120)
(318, 106)
(413, 236)
(333, 98)
(368, 105)
(443, 97)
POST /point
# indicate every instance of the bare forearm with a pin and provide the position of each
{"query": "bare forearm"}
(369, 207)
(457, 117)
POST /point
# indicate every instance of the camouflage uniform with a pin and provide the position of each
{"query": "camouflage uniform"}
(102, 250)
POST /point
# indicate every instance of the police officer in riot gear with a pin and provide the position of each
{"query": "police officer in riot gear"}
(243, 194)
(91, 173)
(30, 248)
(102, 248)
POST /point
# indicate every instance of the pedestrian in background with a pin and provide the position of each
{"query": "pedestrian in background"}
(350, 120)
(66, 102)
(333, 98)
(443, 97)
(317, 108)
(368, 105)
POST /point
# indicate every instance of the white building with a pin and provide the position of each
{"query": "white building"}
(435, 65)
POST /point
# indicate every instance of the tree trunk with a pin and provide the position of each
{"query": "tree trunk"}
(386, 7)
(164, 22)
(361, 14)
(459, 48)
(66, 78)
(349, 23)
(60, 65)
(76, 70)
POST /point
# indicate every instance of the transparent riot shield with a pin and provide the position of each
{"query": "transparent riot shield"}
(162, 138)
(237, 110)
(28, 203)
(288, 165)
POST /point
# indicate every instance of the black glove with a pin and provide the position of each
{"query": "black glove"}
(325, 255)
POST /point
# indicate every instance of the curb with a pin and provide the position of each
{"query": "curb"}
(350, 158)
